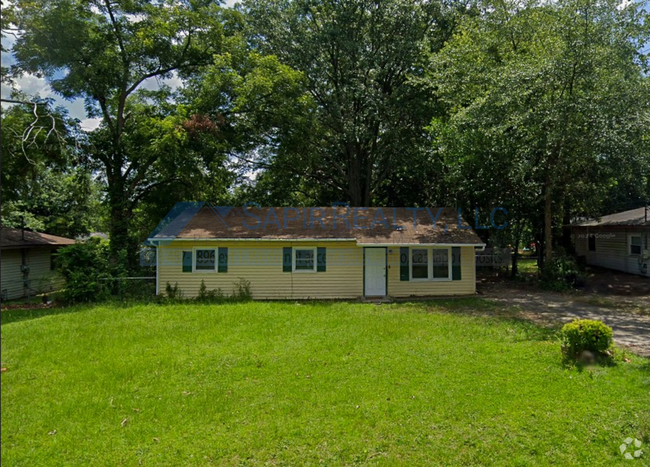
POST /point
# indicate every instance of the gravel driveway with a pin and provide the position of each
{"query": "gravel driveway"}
(629, 317)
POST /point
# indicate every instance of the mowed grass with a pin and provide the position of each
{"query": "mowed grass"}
(306, 384)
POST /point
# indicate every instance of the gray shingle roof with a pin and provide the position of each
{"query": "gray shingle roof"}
(632, 217)
(13, 238)
(373, 225)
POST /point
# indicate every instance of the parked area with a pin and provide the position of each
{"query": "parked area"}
(453, 382)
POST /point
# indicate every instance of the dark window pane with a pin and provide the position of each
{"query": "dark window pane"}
(205, 260)
(440, 259)
(420, 264)
(592, 243)
(304, 260)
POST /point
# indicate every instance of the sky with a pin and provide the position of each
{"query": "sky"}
(33, 86)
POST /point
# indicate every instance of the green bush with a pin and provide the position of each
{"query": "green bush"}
(173, 292)
(585, 334)
(561, 274)
(85, 268)
(209, 296)
(242, 290)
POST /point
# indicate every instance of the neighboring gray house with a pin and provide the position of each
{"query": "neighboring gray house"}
(618, 241)
(26, 262)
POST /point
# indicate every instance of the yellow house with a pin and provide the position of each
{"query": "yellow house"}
(337, 252)
(27, 264)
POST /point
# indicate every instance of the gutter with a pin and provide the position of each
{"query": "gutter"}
(285, 240)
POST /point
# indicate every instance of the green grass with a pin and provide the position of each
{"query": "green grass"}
(435, 383)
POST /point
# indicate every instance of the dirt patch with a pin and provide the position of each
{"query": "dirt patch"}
(604, 281)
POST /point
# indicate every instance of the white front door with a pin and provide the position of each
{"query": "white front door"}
(375, 272)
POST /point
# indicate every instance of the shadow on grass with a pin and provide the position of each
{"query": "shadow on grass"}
(480, 307)
(14, 315)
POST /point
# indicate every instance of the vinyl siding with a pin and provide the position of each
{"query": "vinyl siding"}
(41, 278)
(611, 248)
(12, 278)
(465, 286)
(261, 264)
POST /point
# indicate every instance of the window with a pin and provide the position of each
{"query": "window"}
(304, 259)
(430, 264)
(440, 260)
(420, 264)
(635, 244)
(206, 260)
(52, 260)
(592, 243)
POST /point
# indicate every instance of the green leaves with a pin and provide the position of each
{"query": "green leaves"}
(544, 96)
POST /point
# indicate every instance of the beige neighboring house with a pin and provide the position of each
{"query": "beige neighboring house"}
(27, 266)
(618, 241)
(318, 253)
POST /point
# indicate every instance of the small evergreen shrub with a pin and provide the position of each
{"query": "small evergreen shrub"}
(585, 334)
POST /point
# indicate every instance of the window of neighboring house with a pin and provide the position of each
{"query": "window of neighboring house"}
(206, 260)
(430, 264)
(592, 243)
(304, 259)
(635, 244)
(419, 263)
(52, 260)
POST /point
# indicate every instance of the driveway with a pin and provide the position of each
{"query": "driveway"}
(629, 317)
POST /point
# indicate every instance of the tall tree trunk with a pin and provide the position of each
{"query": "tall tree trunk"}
(548, 221)
(515, 253)
(120, 216)
(567, 242)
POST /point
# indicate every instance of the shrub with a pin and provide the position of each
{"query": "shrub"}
(173, 292)
(242, 291)
(83, 266)
(585, 334)
(208, 296)
(561, 274)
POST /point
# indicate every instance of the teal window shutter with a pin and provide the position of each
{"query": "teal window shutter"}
(321, 257)
(223, 260)
(287, 259)
(455, 264)
(187, 261)
(404, 264)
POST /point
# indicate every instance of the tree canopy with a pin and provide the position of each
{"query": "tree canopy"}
(541, 108)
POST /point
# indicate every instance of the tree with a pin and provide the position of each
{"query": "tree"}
(357, 59)
(552, 96)
(104, 51)
(46, 186)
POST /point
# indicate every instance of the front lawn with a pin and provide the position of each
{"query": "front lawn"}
(306, 384)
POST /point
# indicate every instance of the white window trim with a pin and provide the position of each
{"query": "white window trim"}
(194, 258)
(430, 264)
(293, 259)
(629, 244)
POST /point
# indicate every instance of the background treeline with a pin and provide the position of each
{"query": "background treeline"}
(542, 108)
